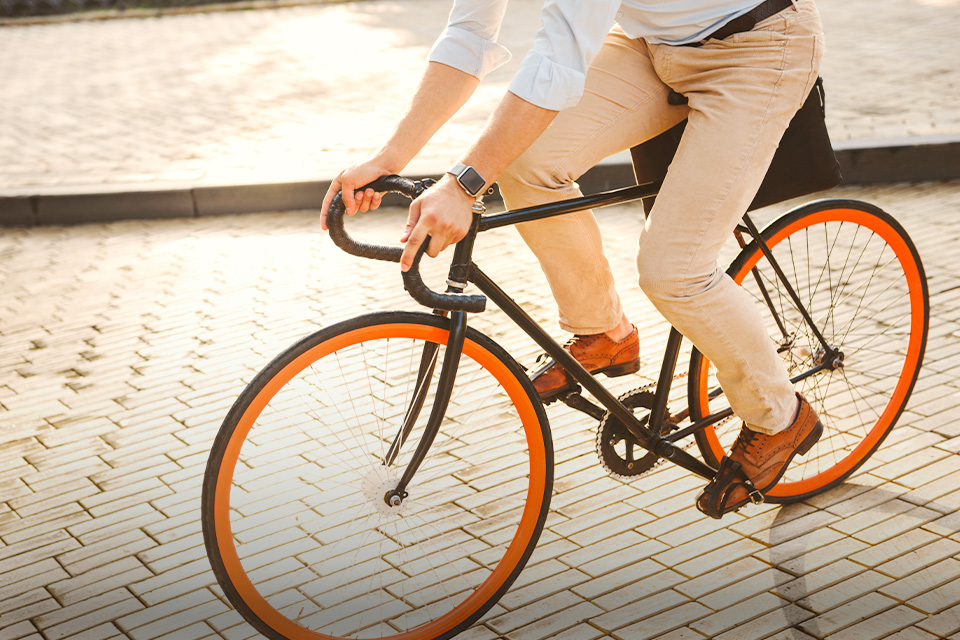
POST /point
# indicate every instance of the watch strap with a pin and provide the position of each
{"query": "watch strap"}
(468, 178)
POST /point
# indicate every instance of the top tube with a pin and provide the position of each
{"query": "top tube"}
(538, 212)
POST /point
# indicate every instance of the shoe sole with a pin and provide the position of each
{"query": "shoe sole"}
(613, 371)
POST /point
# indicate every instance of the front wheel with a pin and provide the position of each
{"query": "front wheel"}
(296, 520)
(860, 278)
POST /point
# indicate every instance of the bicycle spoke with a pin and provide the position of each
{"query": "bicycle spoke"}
(348, 563)
(849, 266)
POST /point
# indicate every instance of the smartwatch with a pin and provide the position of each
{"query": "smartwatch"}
(468, 177)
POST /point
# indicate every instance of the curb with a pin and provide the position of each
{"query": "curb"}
(96, 15)
(908, 159)
(912, 159)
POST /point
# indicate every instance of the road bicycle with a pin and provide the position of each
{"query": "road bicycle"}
(356, 489)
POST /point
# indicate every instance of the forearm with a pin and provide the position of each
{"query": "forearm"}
(440, 94)
(513, 127)
(444, 211)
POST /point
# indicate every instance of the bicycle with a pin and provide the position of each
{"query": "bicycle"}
(408, 501)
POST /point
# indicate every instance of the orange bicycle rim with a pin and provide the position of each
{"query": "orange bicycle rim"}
(514, 554)
(911, 361)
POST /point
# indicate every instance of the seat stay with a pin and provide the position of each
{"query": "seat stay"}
(738, 234)
(828, 349)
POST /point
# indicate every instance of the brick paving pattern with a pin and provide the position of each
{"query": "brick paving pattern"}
(293, 94)
(123, 345)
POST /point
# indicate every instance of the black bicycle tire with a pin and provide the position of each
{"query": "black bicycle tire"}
(263, 378)
(746, 254)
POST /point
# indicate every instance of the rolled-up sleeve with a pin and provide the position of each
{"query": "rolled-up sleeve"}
(553, 73)
(545, 83)
(468, 52)
(469, 43)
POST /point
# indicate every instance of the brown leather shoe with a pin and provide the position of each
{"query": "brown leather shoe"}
(757, 462)
(597, 353)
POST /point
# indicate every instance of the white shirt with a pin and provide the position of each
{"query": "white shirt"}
(552, 74)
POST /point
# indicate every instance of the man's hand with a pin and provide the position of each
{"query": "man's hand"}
(443, 212)
(348, 182)
(442, 91)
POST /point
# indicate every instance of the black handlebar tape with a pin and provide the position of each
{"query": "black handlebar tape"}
(339, 235)
(412, 281)
(414, 285)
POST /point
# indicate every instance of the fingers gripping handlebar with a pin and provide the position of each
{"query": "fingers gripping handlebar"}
(386, 184)
(412, 281)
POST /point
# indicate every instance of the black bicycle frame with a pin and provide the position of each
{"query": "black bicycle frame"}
(648, 436)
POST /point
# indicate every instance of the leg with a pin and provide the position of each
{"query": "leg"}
(743, 93)
(623, 104)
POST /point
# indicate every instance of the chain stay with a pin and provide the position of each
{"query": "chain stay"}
(645, 463)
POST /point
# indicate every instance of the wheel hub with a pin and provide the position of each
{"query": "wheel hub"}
(833, 358)
(378, 486)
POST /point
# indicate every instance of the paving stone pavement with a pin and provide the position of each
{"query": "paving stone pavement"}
(122, 346)
(297, 93)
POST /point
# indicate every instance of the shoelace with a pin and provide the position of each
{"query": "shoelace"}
(543, 357)
(745, 440)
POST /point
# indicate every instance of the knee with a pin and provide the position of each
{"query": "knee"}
(528, 174)
(651, 276)
(662, 282)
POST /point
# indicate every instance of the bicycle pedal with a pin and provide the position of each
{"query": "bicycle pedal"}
(551, 399)
(576, 401)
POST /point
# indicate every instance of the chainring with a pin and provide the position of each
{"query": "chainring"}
(616, 445)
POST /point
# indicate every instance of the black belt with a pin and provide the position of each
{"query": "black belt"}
(746, 22)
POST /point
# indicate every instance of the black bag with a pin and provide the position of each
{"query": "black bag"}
(804, 162)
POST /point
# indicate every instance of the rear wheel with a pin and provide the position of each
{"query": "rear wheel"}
(860, 278)
(296, 523)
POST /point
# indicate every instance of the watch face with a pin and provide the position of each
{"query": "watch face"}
(471, 180)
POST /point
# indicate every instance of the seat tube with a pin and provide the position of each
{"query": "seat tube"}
(787, 286)
(658, 413)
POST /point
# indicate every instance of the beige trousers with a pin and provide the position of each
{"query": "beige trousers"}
(742, 93)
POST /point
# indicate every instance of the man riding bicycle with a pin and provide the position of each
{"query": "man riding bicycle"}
(595, 83)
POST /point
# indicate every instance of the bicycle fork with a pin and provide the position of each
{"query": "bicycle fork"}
(448, 374)
(456, 281)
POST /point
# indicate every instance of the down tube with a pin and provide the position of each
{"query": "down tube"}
(647, 439)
